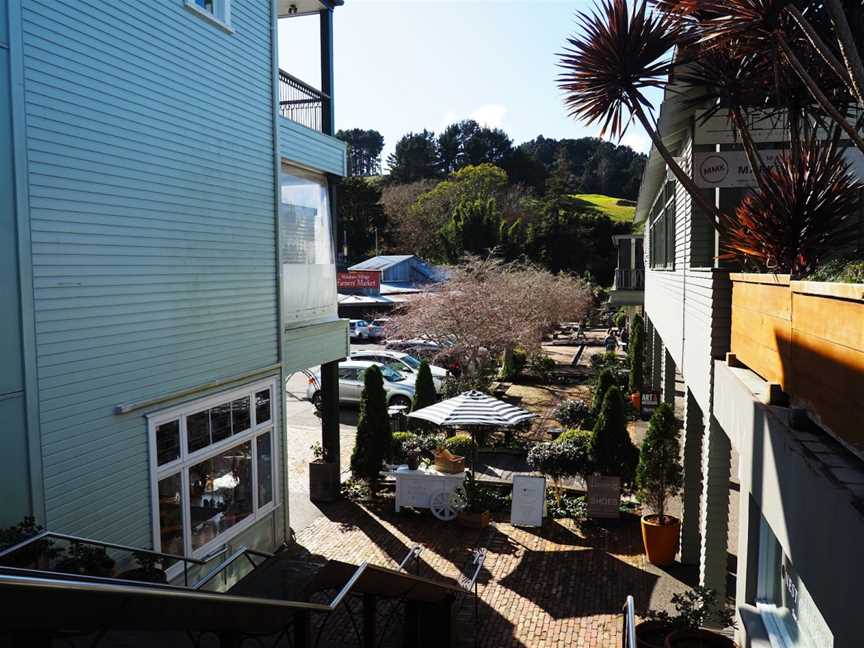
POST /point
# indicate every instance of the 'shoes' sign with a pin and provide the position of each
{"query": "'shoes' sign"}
(604, 494)
(359, 279)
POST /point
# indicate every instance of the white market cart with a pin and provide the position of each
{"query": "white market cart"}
(428, 488)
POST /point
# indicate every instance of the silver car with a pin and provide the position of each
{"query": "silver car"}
(404, 363)
(398, 389)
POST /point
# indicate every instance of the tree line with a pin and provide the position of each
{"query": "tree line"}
(470, 191)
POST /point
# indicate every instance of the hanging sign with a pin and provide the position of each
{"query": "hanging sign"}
(358, 279)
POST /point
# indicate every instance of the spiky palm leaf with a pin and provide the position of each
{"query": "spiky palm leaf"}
(802, 215)
(619, 54)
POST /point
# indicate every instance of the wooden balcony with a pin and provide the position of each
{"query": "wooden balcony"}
(808, 338)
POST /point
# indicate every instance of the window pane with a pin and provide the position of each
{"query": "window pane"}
(240, 415)
(306, 246)
(171, 515)
(220, 492)
(265, 470)
(262, 406)
(167, 442)
(220, 422)
(198, 430)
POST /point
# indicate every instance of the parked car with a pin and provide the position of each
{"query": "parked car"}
(376, 327)
(359, 329)
(429, 351)
(404, 363)
(399, 390)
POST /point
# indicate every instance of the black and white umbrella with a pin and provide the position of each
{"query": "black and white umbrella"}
(472, 408)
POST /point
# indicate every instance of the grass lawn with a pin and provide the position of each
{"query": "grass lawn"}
(618, 209)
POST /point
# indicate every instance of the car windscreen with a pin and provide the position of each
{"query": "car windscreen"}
(411, 361)
(390, 375)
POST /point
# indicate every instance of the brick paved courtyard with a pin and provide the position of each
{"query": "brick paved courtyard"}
(554, 586)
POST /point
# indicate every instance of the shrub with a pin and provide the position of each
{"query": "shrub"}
(542, 366)
(659, 475)
(620, 320)
(402, 441)
(559, 460)
(571, 413)
(843, 270)
(612, 450)
(573, 434)
(513, 364)
(374, 439)
(636, 354)
(461, 445)
(605, 380)
(424, 388)
(567, 505)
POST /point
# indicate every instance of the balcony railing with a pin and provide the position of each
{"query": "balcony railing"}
(629, 279)
(302, 103)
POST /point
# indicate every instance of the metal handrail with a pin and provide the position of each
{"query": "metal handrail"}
(45, 535)
(628, 636)
(240, 553)
(301, 103)
(413, 554)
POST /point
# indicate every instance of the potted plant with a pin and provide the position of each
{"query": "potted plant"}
(613, 456)
(685, 629)
(323, 476)
(149, 569)
(567, 456)
(476, 513)
(659, 476)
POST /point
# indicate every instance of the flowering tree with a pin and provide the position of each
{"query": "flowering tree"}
(487, 307)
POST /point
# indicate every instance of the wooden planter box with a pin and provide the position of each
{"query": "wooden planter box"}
(807, 337)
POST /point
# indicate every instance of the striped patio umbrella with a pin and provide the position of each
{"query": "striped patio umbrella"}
(472, 408)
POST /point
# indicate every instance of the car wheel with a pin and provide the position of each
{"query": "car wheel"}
(401, 401)
(316, 400)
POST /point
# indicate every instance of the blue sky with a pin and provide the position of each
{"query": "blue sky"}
(404, 65)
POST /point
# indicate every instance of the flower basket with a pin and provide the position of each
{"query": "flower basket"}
(447, 462)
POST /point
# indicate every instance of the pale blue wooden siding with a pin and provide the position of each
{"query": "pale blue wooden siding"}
(14, 479)
(151, 171)
(311, 149)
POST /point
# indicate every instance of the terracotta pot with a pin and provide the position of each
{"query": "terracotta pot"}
(636, 401)
(660, 540)
(652, 634)
(474, 520)
(698, 639)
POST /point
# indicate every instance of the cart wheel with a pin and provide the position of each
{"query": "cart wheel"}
(440, 506)
(458, 499)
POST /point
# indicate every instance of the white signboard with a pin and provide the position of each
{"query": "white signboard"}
(764, 127)
(732, 168)
(529, 500)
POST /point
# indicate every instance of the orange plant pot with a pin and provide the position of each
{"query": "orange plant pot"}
(660, 540)
(636, 401)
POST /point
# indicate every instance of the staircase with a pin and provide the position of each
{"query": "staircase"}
(286, 599)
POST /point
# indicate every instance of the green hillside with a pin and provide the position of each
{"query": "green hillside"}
(618, 209)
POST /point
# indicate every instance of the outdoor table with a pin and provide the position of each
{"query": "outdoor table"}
(427, 488)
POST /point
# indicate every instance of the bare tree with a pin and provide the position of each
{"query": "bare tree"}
(487, 306)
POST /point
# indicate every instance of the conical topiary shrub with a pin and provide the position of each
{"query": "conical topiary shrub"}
(612, 450)
(636, 353)
(605, 380)
(374, 439)
(424, 395)
(659, 474)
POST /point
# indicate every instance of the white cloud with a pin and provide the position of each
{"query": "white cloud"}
(490, 115)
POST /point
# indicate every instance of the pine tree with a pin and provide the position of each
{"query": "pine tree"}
(605, 380)
(635, 353)
(612, 450)
(659, 475)
(374, 439)
(424, 388)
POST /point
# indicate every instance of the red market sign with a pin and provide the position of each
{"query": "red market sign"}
(358, 279)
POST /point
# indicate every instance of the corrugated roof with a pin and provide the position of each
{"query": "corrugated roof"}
(381, 262)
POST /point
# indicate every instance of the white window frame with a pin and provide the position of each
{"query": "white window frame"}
(189, 459)
(220, 16)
